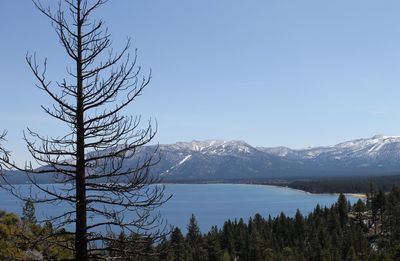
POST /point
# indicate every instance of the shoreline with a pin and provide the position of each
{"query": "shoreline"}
(351, 194)
(280, 184)
(356, 195)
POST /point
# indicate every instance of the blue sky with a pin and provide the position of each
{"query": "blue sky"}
(292, 73)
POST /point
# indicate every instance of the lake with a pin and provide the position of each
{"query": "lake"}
(214, 203)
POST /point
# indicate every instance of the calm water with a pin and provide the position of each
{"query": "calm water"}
(214, 203)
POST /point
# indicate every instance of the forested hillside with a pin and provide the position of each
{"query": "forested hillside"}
(367, 230)
(364, 231)
(344, 184)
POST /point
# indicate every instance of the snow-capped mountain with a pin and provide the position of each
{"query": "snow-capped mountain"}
(370, 156)
(376, 152)
(218, 160)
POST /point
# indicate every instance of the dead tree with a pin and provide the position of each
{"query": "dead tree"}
(89, 159)
(3, 152)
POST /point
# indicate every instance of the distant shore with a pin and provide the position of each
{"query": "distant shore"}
(308, 186)
(275, 183)
(357, 195)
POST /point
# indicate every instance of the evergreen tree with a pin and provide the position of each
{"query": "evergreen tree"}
(343, 209)
(195, 241)
(28, 213)
(177, 245)
(10, 242)
(359, 208)
(213, 245)
(193, 236)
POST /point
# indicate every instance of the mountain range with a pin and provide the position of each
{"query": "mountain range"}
(218, 160)
(215, 159)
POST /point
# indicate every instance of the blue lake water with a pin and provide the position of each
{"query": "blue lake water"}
(214, 203)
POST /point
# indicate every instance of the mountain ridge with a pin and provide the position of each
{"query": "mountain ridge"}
(212, 160)
(375, 155)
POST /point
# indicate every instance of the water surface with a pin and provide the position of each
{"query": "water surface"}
(213, 203)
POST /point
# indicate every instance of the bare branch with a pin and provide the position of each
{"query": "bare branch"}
(89, 162)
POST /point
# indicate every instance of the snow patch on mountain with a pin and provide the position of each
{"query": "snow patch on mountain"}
(213, 147)
(185, 159)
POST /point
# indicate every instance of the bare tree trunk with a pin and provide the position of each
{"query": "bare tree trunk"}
(81, 223)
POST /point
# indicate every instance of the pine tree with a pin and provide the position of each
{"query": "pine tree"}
(343, 209)
(359, 208)
(177, 245)
(28, 213)
(195, 241)
(213, 245)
